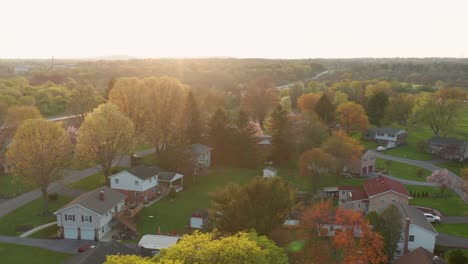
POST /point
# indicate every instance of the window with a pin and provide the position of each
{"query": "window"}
(411, 238)
(137, 194)
(70, 217)
(116, 181)
(137, 182)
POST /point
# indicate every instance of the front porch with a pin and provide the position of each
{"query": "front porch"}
(171, 180)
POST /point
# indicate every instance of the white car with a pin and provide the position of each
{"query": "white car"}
(380, 148)
(432, 218)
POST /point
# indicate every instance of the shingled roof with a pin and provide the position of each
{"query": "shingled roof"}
(416, 216)
(144, 172)
(91, 200)
(420, 256)
(383, 184)
(199, 149)
(388, 130)
(446, 141)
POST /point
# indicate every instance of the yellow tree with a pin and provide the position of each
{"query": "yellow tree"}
(164, 103)
(83, 99)
(40, 152)
(105, 135)
(352, 117)
(259, 99)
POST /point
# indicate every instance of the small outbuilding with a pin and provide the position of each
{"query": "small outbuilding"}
(151, 245)
(198, 219)
(171, 180)
(269, 172)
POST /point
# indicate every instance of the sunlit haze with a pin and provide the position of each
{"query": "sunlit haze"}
(268, 29)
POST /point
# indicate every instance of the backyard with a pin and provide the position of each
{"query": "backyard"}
(403, 170)
(10, 253)
(449, 204)
(453, 229)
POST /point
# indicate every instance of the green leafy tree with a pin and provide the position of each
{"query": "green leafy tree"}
(245, 142)
(376, 108)
(83, 99)
(105, 135)
(279, 127)
(457, 257)
(294, 93)
(388, 225)
(193, 121)
(325, 109)
(40, 152)
(259, 99)
(315, 164)
(219, 137)
(262, 204)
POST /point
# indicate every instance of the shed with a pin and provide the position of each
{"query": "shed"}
(198, 218)
(269, 172)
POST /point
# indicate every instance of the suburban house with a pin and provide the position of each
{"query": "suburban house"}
(139, 183)
(198, 219)
(269, 172)
(388, 137)
(419, 256)
(168, 180)
(89, 216)
(417, 231)
(375, 195)
(201, 155)
(363, 166)
(448, 148)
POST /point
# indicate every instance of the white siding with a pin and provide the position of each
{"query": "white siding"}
(126, 181)
(422, 238)
(269, 173)
(196, 222)
(78, 211)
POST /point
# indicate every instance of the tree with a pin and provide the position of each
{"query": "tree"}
(399, 109)
(105, 134)
(219, 136)
(164, 107)
(307, 102)
(83, 99)
(316, 163)
(285, 102)
(259, 99)
(344, 246)
(110, 86)
(192, 120)
(443, 179)
(387, 226)
(280, 135)
(352, 118)
(236, 208)
(308, 131)
(345, 149)
(325, 109)
(40, 151)
(295, 92)
(376, 108)
(340, 98)
(245, 141)
(457, 257)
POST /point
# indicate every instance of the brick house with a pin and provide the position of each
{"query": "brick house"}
(387, 136)
(448, 148)
(363, 166)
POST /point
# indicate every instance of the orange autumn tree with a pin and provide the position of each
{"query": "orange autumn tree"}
(354, 243)
(307, 102)
(352, 117)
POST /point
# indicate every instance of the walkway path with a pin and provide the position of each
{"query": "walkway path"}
(62, 245)
(37, 229)
(70, 177)
(425, 165)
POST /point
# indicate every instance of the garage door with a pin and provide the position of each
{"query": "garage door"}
(87, 234)
(70, 232)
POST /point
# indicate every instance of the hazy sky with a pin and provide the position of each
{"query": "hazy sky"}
(237, 28)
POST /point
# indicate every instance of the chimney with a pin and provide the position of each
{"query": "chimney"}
(405, 245)
(101, 195)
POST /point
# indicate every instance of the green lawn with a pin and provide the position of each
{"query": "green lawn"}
(89, 183)
(450, 204)
(403, 170)
(12, 254)
(149, 160)
(11, 187)
(453, 166)
(174, 215)
(452, 229)
(305, 184)
(30, 214)
(45, 233)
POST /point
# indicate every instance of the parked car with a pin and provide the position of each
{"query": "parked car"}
(381, 148)
(84, 248)
(432, 218)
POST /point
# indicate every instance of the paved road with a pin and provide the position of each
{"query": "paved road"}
(62, 245)
(409, 182)
(454, 219)
(71, 176)
(425, 165)
(306, 80)
(451, 241)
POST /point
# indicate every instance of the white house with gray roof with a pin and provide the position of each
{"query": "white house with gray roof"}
(417, 231)
(387, 136)
(89, 216)
(139, 183)
(201, 155)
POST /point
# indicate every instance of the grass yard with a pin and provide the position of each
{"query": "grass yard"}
(453, 229)
(174, 215)
(403, 170)
(149, 160)
(30, 214)
(89, 183)
(453, 166)
(11, 187)
(450, 204)
(45, 233)
(12, 254)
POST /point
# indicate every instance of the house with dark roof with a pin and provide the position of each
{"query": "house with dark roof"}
(138, 183)
(448, 148)
(201, 156)
(387, 136)
(89, 216)
(376, 194)
(419, 256)
(98, 254)
(417, 231)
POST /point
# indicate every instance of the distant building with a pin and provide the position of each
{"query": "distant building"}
(198, 219)
(388, 137)
(269, 172)
(201, 155)
(448, 148)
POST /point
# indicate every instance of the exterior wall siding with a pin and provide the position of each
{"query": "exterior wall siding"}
(379, 202)
(126, 181)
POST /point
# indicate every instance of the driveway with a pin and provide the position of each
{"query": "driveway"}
(62, 245)
(425, 165)
(454, 219)
(451, 241)
(71, 176)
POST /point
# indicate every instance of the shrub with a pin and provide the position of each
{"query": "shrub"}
(53, 196)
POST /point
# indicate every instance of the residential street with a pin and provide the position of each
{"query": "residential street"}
(62, 245)
(451, 241)
(424, 165)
